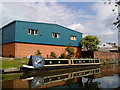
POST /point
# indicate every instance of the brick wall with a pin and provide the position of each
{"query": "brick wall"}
(25, 49)
(8, 50)
(107, 56)
(110, 57)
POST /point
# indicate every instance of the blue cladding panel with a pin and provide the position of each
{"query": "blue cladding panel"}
(8, 33)
(44, 34)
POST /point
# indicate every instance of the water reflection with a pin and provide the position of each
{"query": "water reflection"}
(36, 82)
(91, 84)
(100, 77)
(66, 78)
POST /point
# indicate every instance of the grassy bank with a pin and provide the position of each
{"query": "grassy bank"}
(14, 63)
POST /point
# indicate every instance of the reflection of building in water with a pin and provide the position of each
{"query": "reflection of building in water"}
(17, 83)
(106, 71)
(49, 81)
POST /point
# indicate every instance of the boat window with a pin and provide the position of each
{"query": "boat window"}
(97, 61)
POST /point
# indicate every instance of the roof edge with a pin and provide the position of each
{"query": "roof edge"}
(49, 24)
(38, 23)
(8, 24)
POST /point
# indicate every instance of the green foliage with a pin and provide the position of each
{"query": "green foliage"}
(90, 43)
(62, 55)
(38, 53)
(71, 52)
(53, 55)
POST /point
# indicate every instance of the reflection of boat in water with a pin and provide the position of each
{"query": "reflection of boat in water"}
(38, 63)
(68, 78)
(37, 81)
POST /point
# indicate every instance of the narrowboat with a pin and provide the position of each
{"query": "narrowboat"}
(39, 63)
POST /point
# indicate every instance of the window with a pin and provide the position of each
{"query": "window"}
(32, 32)
(56, 35)
(36, 32)
(73, 37)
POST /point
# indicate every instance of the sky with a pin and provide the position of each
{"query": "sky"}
(90, 18)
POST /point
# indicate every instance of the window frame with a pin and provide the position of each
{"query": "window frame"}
(32, 31)
(73, 37)
(55, 35)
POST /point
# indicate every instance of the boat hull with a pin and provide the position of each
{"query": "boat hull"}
(46, 68)
(37, 63)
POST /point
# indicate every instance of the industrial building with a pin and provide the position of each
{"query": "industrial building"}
(24, 38)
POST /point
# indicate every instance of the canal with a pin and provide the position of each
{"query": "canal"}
(104, 76)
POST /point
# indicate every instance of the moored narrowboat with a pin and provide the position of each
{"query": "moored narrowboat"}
(39, 63)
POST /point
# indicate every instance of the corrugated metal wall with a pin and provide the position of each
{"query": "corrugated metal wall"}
(8, 33)
(45, 34)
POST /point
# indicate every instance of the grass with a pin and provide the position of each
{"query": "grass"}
(16, 63)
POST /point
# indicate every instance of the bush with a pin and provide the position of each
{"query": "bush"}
(70, 51)
(38, 53)
(62, 55)
(53, 55)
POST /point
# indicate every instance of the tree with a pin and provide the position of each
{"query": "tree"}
(53, 55)
(117, 22)
(38, 53)
(90, 43)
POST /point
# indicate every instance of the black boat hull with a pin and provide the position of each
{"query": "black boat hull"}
(46, 68)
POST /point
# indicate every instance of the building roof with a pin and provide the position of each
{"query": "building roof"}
(105, 45)
(38, 23)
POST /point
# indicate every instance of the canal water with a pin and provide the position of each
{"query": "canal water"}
(102, 77)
